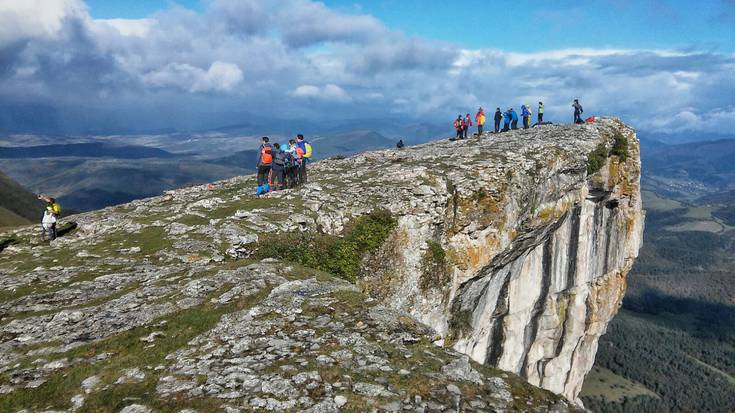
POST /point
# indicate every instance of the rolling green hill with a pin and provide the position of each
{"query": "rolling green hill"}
(18, 206)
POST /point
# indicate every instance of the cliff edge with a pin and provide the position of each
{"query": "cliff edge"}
(428, 278)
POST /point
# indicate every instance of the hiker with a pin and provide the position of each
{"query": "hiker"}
(48, 224)
(480, 120)
(294, 159)
(265, 159)
(278, 167)
(498, 118)
(507, 117)
(306, 154)
(51, 215)
(540, 112)
(400, 144)
(578, 111)
(466, 125)
(458, 127)
(526, 116)
(513, 119)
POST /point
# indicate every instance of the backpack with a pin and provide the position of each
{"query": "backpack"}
(279, 158)
(307, 153)
(299, 152)
(288, 159)
(457, 124)
(56, 208)
(266, 157)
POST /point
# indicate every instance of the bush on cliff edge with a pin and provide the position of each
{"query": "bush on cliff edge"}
(340, 256)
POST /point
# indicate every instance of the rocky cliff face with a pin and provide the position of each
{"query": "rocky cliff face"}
(512, 250)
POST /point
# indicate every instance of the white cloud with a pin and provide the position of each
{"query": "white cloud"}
(220, 77)
(329, 92)
(22, 19)
(302, 57)
(129, 27)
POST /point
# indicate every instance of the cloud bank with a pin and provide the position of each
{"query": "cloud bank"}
(299, 58)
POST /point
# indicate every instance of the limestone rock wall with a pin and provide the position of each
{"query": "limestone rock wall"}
(537, 252)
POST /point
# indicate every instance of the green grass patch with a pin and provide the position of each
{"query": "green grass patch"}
(596, 159)
(434, 266)
(339, 256)
(620, 147)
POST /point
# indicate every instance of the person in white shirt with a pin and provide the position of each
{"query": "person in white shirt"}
(49, 224)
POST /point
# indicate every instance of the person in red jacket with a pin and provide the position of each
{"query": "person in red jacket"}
(458, 126)
(466, 125)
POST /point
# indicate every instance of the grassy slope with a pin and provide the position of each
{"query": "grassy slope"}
(17, 205)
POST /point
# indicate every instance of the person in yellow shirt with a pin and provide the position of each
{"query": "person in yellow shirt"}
(480, 120)
(540, 112)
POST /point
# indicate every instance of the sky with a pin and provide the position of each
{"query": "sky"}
(663, 66)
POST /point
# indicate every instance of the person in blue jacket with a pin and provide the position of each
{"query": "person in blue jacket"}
(526, 115)
(513, 119)
(506, 120)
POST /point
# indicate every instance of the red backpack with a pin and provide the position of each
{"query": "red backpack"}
(266, 157)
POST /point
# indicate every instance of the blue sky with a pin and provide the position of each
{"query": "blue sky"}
(662, 66)
(526, 25)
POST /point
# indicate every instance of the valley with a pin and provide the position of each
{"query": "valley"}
(674, 339)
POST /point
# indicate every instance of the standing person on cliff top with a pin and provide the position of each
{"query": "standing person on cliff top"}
(498, 118)
(263, 165)
(578, 111)
(480, 120)
(513, 119)
(540, 112)
(458, 127)
(507, 118)
(466, 125)
(526, 116)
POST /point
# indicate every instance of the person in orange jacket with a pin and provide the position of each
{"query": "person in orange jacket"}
(480, 120)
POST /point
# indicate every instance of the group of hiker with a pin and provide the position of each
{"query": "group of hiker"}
(509, 119)
(282, 166)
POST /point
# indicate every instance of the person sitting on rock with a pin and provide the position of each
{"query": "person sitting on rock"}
(400, 144)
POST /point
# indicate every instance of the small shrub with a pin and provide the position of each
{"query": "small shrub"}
(340, 256)
(434, 267)
(620, 147)
(596, 159)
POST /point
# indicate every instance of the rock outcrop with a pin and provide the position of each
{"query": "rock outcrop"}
(507, 253)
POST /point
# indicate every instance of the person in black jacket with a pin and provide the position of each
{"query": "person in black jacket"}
(498, 118)
(577, 111)
(278, 168)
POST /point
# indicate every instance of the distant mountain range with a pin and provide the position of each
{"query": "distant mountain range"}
(88, 173)
(690, 170)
